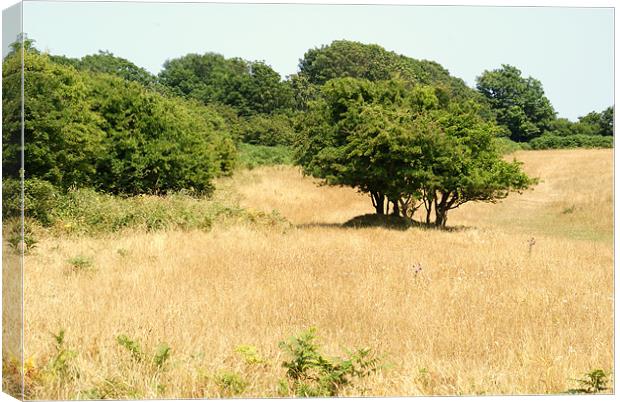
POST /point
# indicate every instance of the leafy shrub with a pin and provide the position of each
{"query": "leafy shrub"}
(39, 199)
(62, 365)
(250, 354)
(81, 263)
(507, 146)
(268, 130)
(572, 141)
(132, 346)
(13, 234)
(251, 156)
(311, 374)
(97, 130)
(230, 383)
(593, 382)
(161, 355)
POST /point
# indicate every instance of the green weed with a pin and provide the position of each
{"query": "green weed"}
(161, 355)
(81, 263)
(62, 364)
(230, 383)
(311, 374)
(250, 354)
(593, 382)
(132, 346)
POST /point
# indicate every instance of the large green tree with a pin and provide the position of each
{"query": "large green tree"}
(399, 144)
(249, 87)
(106, 62)
(94, 129)
(63, 137)
(343, 58)
(600, 123)
(519, 103)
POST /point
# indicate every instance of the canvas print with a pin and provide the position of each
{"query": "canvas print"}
(218, 200)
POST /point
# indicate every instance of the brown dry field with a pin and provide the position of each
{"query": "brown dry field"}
(484, 316)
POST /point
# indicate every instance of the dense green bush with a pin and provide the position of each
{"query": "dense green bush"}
(156, 144)
(97, 130)
(251, 156)
(268, 130)
(249, 87)
(86, 211)
(40, 198)
(507, 146)
(572, 141)
(312, 374)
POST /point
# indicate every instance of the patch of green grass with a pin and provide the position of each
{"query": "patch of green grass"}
(110, 388)
(85, 211)
(81, 263)
(252, 156)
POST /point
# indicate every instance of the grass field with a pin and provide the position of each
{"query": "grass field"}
(517, 299)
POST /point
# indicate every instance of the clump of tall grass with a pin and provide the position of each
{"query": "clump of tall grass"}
(86, 211)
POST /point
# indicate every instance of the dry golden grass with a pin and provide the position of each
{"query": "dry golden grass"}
(483, 316)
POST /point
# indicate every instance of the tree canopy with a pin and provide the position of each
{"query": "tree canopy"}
(344, 58)
(399, 144)
(249, 87)
(98, 130)
(519, 103)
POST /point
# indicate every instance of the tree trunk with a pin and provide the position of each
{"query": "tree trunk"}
(378, 201)
(441, 218)
(441, 210)
(428, 211)
(396, 209)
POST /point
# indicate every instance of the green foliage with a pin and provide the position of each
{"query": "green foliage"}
(110, 388)
(595, 130)
(39, 198)
(311, 374)
(250, 354)
(12, 233)
(230, 383)
(507, 146)
(106, 62)
(599, 123)
(86, 211)
(156, 144)
(593, 382)
(403, 145)
(132, 346)
(95, 129)
(64, 138)
(519, 103)
(344, 58)
(62, 365)
(161, 355)
(549, 141)
(81, 263)
(268, 130)
(250, 87)
(251, 156)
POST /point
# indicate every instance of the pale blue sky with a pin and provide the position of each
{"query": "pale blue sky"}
(569, 49)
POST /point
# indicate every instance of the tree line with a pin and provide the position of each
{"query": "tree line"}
(402, 130)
